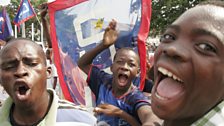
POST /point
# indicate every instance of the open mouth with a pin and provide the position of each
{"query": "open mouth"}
(22, 91)
(165, 73)
(123, 78)
(169, 85)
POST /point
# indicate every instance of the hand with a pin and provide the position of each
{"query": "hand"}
(107, 109)
(43, 10)
(110, 34)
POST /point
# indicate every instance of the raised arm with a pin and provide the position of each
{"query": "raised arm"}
(46, 27)
(109, 38)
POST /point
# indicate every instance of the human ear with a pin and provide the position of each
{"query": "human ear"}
(111, 68)
(138, 72)
(49, 72)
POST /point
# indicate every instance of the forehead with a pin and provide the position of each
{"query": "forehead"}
(206, 17)
(20, 48)
(127, 53)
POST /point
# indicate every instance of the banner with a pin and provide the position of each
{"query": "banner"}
(5, 25)
(78, 26)
(24, 13)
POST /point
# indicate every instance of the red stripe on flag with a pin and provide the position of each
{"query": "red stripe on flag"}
(53, 7)
(142, 36)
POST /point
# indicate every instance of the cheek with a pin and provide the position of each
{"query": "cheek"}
(6, 78)
(157, 53)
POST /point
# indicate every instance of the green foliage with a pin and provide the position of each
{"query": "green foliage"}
(12, 11)
(164, 12)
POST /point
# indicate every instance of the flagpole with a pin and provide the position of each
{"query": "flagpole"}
(32, 31)
(15, 31)
(23, 30)
(38, 20)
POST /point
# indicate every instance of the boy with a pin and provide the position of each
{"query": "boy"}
(189, 74)
(116, 96)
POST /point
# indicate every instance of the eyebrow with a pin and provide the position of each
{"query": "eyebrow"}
(174, 27)
(200, 31)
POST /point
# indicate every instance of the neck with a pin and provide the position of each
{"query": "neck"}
(33, 113)
(118, 92)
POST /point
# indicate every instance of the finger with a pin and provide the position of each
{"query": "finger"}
(103, 106)
(97, 109)
(43, 6)
(113, 24)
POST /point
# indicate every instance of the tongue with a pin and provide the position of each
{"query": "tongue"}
(169, 88)
(122, 80)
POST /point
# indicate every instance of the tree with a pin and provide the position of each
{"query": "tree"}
(164, 12)
(12, 11)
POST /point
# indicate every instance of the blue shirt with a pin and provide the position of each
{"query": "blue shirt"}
(100, 83)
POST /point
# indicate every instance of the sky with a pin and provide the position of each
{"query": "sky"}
(4, 2)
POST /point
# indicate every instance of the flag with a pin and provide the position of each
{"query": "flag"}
(78, 26)
(5, 25)
(24, 13)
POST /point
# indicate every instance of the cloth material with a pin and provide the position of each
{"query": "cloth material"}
(100, 83)
(61, 113)
(215, 117)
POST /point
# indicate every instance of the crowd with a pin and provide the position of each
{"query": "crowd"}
(186, 78)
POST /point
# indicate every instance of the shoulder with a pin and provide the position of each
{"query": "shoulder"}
(137, 98)
(136, 95)
(214, 117)
(64, 104)
(69, 112)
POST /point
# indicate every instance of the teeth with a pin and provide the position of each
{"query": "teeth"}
(169, 74)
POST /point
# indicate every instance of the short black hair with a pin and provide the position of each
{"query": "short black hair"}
(12, 40)
(127, 49)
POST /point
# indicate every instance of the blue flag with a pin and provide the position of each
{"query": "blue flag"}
(24, 13)
(5, 25)
(2, 22)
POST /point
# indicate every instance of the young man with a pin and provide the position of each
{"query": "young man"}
(23, 74)
(189, 74)
(116, 96)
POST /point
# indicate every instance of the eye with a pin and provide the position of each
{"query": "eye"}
(119, 62)
(206, 48)
(31, 64)
(132, 65)
(167, 37)
(7, 66)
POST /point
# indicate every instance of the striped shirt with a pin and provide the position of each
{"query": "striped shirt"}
(215, 117)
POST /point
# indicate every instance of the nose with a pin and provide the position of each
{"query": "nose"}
(177, 51)
(21, 71)
(124, 66)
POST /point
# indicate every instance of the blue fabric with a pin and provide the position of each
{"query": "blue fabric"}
(148, 84)
(100, 83)
(25, 12)
(5, 25)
